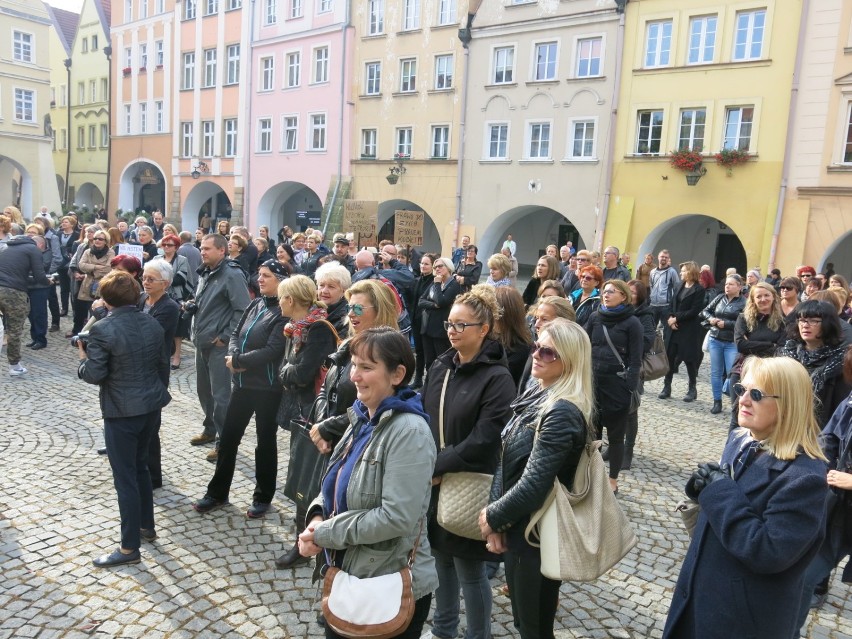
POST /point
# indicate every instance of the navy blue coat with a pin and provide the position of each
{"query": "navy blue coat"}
(744, 571)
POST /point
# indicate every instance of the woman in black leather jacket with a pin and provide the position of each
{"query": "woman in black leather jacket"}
(421, 285)
(721, 314)
(543, 441)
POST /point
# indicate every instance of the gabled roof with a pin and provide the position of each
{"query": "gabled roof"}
(65, 23)
(104, 9)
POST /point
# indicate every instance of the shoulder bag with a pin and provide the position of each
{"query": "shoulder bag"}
(307, 465)
(635, 396)
(462, 495)
(655, 363)
(584, 533)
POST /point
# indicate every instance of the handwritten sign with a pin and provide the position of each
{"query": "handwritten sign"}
(360, 217)
(134, 250)
(408, 228)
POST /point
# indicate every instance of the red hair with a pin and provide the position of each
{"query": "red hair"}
(128, 263)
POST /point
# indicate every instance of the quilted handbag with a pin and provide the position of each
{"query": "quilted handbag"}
(655, 363)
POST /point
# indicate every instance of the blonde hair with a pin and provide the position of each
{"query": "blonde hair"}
(796, 429)
(37, 228)
(483, 302)
(380, 297)
(750, 313)
(301, 289)
(500, 262)
(14, 214)
(561, 306)
(575, 383)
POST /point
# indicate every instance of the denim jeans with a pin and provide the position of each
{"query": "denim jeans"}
(722, 358)
(469, 574)
(38, 314)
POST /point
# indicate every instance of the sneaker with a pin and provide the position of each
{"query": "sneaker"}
(257, 510)
(208, 503)
(17, 370)
(201, 439)
(213, 456)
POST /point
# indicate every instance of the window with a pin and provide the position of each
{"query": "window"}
(186, 139)
(158, 53)
(189, 12)
(294, 69)
(84, 46)
(410, 15)
(128, 57)
(211, 7)
(589, 57)
(408, 75)
(264, 135)
(188, 70)
(748, 39)
(317, 132)
(159, 116)
(63, 95)
(143, 9)
(291, 133)
(267, 74)
(270, 12)
(234, 4)
(128, 125)
(128, 10)
(230, 138)
(22, 46)
(94, 42)
(81, 137)
(143, 117)
(539, 141)
(649, 129)
(208, 136)
(658, 43)
(582, 143)
(691, 134)
(81, 93)
(104, 136)
(738, 121)
(93, 136)
(295, 8)
(93, 90)
(324, 6)
(847, 145)
(497, 141)
(159, 6)
(53, 137)
(403, 141)
(373, 83)
(446, 11)
(443, 71)
(545, 61)
(104, 90)
(210, 67)
(143, 56)
(368, 143)
(320, 65)
(702, 39)
(63, 139)
(440, 142)
(504, 65)
(233, 51)
(375, 17)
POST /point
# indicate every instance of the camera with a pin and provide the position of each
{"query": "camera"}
(81, 338)
(190, 308)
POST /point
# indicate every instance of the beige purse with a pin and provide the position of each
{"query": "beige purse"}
(462, 495)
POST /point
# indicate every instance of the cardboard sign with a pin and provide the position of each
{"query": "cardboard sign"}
(134, 250)
(360, 217)
(408, 228)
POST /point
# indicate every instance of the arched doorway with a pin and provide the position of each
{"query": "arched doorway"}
(16, 187)
(840, 255)
(288, 203)
(142, 187)
(90, 196)
(700, 238)
(205, 199)
(386, 222)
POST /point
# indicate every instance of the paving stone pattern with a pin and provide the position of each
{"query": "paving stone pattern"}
(212, 575)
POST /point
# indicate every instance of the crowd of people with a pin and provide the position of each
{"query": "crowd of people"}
(405, 367)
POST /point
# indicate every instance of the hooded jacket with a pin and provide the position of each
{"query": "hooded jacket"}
(20, 259)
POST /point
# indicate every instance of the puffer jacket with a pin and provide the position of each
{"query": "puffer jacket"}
(387, 498)
(726, 310)
(257, 345)
(336, 396)
(529, 464)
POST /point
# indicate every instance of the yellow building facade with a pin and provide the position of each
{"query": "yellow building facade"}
(708, 76)
(62, 32)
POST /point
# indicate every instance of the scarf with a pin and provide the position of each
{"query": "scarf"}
(293, 330)
(99, 252)
(823, 364)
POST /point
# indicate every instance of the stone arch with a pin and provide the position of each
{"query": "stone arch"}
(143, 185)
(387, 210)
(205, 198)
(287, 203)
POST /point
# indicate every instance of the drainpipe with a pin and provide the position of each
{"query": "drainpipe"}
(619, 48)
(108, 54)
(248, 126)
(343, 31)
(791, 117)
(69, 137)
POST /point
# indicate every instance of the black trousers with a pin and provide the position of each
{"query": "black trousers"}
(264, 406)
(616, 427)
(432, 347)
(534, 597)
(415, 628)
(82, 308)
(64, 288)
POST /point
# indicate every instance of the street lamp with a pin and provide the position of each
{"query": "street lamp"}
(199, 168)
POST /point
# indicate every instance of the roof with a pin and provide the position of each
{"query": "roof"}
(104, 9)
(65, 23)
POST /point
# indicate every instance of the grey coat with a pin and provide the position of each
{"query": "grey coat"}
(222, 296)
(387, 496)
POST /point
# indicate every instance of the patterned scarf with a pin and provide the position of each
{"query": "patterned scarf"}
(293, 330)
(823, 364)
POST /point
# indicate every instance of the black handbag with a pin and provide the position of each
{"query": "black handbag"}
(306, 467)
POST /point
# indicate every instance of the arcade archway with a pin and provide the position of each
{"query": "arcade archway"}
(288, 203)
(840, 255)
(90, 196)
(387, 209)
(16, 187)
(142, 187)
(205, 199)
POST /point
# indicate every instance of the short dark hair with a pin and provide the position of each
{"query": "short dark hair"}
(118, 288)
(219, 241)
(832, 333)
(793, 282)
(386, 345)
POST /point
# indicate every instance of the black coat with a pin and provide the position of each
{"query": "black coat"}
(530, 294)
(257, 345)
(762, 341)
(421, 286)
(436, 303)
(301, 365)
(167, 312)
(645, 315)
(612, 382)
(337, 394)
(476, 409)
(470, 273)
(338, 315)
(684, 344)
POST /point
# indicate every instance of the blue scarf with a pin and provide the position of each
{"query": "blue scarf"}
(604, 310)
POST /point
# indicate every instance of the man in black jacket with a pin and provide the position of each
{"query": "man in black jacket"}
(20, 260)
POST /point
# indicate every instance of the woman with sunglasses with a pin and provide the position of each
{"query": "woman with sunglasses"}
(548, 309)
(586, 299)
(617, 346)
(789, 291)
(181, 289)
(93, 265)
(436, 303)
(467, 395)
(543, 441)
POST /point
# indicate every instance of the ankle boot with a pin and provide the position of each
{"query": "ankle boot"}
(291, 559)
(717, 406)
(691, 393)
(667, 389)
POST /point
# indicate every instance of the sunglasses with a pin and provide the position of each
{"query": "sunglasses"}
(755, 394)
(787, 288)
(589, 277)
(358, 309)
(459, 327)
(545, 353)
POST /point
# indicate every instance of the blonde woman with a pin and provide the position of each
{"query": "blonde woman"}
(499, 268)
(94, 265)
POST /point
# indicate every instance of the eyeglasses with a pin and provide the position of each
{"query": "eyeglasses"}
(172, 245)
(755, 394)
(787, 288)
(151, 280)
(582, 259)
(612, 291)
(545, 353)
(358, 309)
(439, 266)
(806, 276)
(809, 321)
(459, 327)
(589, 277)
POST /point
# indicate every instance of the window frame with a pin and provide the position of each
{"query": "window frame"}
(21, 97)
(691, 140)
(447, 12)
(93, 136)
(373, 82)
(211, 7)
(159, 116)
(658, 52)
(495, 64)
(211, 68)
(406, 77)
(400, 144)
(208, 138)
(290, 133)
(104, 135)
(313, 128)
(27, 49)
(435, 143)
(488, 141)
(264, 134)
(320, 65)
(701, 48)
(579, 59)
(143, 117)
(233, 64)
(296, 10)
(267, 73)
(364, 143)
(128, 119)
(741, 108)
(270, 13)
(189, 10)
(534, 71)
(750, 29)
(570, 154)
(188, 71)
(289, 58)
(159, 52)
(449, 71)
(186, 139)
(411, 10)
(375, 17)
(230, 137)
(651, 126)
(529, 127)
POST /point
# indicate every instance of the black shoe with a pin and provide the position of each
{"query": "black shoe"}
(207, 504)
(31, 344)
(818, 599)
(148, 534)
(717, 406)
(64, 313)
(691, 394)
(291, 559)
(102, 451)
(117, 558)
(38, 346)
(666, 392)
(54, 328)
(257, 510)
(627, 461)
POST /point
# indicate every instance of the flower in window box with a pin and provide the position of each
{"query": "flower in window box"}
(730, 158)
(126, 70)
(687, 160)
(143, 69)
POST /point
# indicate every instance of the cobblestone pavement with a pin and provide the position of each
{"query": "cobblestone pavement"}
(212, 575)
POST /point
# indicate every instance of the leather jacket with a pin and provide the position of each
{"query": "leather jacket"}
(726, 310)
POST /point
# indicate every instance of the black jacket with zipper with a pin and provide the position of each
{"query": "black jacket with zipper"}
(257, 344)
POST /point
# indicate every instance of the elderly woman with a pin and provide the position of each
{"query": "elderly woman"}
(181, 289)
(761, 520)
(385, 501)
(547, 268)
(155, 301)
(467, 395)
(254, 354)
(263, 253)
(469, 269)
(436, 303)
(587, 298)
(683, 331)
(237, 251)
(145, 237)
(126, 356)
(499, 268)
(332, 281)
(94, 264)
(311, 260)
(542, 442)
(721, 315)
